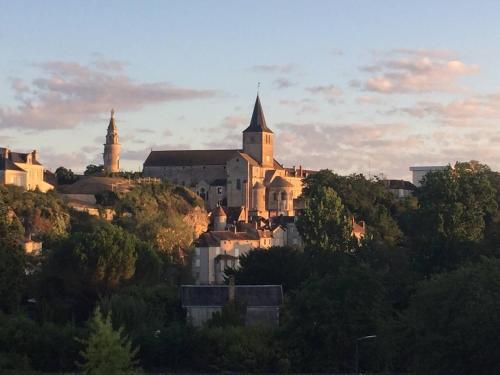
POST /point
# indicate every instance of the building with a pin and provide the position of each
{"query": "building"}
(419, 172)
(399, 188)
(249, 178)
(217, 250)
(262, 302)
(23, 170)
(111, 153)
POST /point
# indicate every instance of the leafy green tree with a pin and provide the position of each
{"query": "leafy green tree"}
(12, 260)
(453, 322)
(98, 260)
(277, 265)
(327, 313)
(65, 176)
(93, 170)
(106, 350)
(451, 217)
(324, 223)
(364, 199)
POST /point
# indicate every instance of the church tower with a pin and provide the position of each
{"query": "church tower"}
(112, 147)
(258, 139)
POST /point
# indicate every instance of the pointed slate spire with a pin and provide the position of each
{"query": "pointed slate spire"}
(112, 125)
(258, 122)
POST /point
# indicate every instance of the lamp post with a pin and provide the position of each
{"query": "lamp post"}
(356, 354)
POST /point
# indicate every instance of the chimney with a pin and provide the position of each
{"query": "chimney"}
(231, 289)
(300, 170)
(5, 152)
(35, 155)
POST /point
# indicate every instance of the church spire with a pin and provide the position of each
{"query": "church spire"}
(112, 147)
(258, 121)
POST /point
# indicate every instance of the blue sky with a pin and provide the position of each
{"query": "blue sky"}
(354, 86)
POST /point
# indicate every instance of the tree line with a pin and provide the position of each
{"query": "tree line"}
(422, 283)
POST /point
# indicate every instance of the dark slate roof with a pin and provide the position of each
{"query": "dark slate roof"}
(18, 157)
(399, 184)
(217, 295)
(188, 157)
(7, 164)
(258, 122)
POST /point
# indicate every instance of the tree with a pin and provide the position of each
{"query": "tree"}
(106, 350)
(93, 170)
(277, 265)
(327, 313)
(324, 223)
(65, 176)
(453, 322)
(98, 260)
(12, 260)
(450, 220)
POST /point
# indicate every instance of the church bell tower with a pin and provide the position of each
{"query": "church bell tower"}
(112, 147)
(258, 139)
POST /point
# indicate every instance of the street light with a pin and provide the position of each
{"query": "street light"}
(358, 340)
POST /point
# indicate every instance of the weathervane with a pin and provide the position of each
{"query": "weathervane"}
(258, 87)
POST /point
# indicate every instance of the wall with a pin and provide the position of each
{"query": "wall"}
(237, 169)
(187, 175)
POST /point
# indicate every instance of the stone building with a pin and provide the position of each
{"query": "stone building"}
(249, 178)
(111, 153)
(22, 169)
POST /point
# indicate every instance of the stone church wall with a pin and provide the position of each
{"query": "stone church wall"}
(186, 175)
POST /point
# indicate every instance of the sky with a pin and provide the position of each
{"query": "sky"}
(369, 87)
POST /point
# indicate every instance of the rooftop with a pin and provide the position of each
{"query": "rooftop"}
(218, 295)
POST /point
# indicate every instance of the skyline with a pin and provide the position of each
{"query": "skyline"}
(350, 86)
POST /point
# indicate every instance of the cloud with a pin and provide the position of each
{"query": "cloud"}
(305, 105)
(68, 94)
(417, 71)
(270, 68)
(367, 100)
(466, 112)
(283, 83)
(331, 92)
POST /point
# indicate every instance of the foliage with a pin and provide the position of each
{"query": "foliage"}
(47, 347)
(284, 266)
(232, 314)
(12, 261)
(94, 170)
(454, 321)
(324, 223)
(155, 212)
(106, 350)
(65, 176)
(331, 312)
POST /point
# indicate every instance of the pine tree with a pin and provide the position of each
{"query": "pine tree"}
(106, 351)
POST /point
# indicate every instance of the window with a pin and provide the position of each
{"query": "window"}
(238, 183)
(197, 250)
(236, 252)
(275, 196)
(197, 263)
(219, 190)
(284, 195)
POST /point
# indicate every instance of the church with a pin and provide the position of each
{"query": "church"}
(249, 181)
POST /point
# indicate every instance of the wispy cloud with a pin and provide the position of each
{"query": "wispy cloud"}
(283, 83)
(68, 94)
(330, 92)
(416, 71)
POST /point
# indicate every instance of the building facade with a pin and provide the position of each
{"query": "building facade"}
(419, 172)
(249, 178)
(23, 170)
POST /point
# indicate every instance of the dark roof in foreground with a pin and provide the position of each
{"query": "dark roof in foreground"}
(188, 157)
(217, 295)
